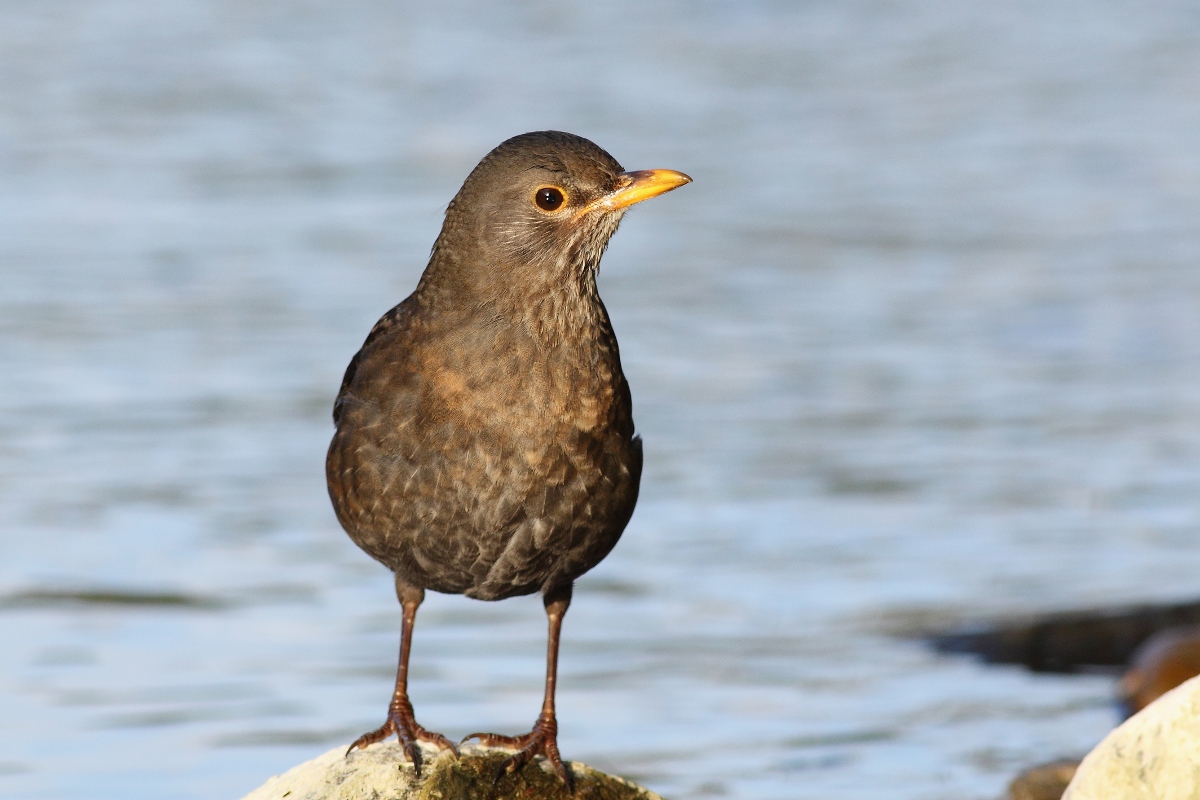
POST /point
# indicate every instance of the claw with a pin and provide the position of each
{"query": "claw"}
(517, 761)
(400, 721)
(368, 739)
(414, 755)
(437, 740)
(541, 741)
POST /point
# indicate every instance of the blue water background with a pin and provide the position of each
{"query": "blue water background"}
(920, 345)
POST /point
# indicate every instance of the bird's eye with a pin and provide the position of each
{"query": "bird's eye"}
(548, 198)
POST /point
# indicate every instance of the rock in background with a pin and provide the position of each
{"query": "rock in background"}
(1044, 782)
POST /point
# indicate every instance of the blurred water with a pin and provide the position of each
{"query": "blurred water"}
(919, 345)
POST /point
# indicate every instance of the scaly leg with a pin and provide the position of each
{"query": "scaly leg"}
(543, 739)
(400, 719)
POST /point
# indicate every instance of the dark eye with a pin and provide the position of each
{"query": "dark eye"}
(548, 198)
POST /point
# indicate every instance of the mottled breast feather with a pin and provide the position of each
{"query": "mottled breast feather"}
(473, 458)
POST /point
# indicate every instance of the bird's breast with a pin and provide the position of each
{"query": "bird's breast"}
(484, 461)
(515, 385)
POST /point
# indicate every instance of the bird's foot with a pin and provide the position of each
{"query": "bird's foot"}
(541, 741)
(400, 721)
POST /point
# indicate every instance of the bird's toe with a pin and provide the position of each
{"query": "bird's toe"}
(541, 741)
(400, 721)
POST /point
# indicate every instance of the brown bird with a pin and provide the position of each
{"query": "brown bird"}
(485, 442)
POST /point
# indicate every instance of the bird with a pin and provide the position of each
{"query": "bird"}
(484, 439)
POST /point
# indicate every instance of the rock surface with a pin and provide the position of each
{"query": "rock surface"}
(381, 772)
(1044, 782)
(1151, 756)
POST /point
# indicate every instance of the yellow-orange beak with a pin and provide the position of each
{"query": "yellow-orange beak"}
(634, 187)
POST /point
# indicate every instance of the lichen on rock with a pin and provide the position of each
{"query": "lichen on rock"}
(381, 772)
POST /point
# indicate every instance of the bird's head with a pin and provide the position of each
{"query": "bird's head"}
(538, 211)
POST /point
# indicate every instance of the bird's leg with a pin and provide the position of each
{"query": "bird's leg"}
(543, 739)
(400, 719)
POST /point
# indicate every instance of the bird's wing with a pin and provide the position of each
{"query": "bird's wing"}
(393, 319)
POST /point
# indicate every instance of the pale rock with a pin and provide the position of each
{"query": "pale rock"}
(381, 772)
(1153, 755)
